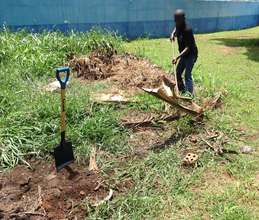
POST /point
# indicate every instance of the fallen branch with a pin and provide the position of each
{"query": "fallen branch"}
(92, 164)
(98, 186)
(212, 103)
(39, 201)
(24, 214)
(219, 150)
(166, 93)
(150, 121)
(216, 150)
(34, 213)
(225, 151)
(135, 124)
(106, 199)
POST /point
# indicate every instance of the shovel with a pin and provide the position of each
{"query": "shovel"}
(63, 153)
(174, 69)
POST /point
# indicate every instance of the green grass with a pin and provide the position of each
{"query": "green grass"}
(162, 189)
(227, 61)
(29, 120)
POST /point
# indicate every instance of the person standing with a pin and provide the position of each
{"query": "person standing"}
(188, 52)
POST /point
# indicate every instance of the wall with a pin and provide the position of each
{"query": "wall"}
(132, 18)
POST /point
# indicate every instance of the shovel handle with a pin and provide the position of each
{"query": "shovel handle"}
(63, 82)
(174, 69)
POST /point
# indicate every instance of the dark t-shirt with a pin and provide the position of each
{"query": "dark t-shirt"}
(185, 39)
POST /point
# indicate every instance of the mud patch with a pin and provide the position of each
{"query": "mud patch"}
(41, 193)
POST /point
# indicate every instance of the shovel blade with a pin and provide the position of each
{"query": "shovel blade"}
(63, 155)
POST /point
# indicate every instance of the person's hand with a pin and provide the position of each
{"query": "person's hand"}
(174, 61)
(172, 38)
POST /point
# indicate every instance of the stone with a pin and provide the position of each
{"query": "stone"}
(53, 86)
(190, 159)
(246, 149)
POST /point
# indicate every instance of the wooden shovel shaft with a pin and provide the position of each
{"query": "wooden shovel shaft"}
(63, 83)
(63, 115)
(174, 69)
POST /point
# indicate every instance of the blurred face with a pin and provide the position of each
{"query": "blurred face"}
(179, 21)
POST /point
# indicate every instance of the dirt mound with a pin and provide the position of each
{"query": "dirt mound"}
(41, 193)
(125, 70)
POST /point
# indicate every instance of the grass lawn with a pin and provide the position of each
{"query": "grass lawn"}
(161, 188)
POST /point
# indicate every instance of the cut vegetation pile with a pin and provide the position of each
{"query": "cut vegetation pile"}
(124, 70)
(127, 71)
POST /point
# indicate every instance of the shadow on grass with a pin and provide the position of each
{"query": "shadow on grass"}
(251, 45)
(172, 140)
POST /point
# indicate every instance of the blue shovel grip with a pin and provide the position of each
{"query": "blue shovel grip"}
(63, 82)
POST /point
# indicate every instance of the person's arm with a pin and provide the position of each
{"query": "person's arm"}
(172, 37)
(183, 53)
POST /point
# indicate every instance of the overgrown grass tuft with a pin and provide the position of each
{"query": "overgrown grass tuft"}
(36, 55)
(29, 117)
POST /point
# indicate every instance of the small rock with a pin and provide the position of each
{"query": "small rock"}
(193, 140)
(24, 179)
(53, 86)
(82, 193)
(246, 149)
(190, 159)
(69, 205)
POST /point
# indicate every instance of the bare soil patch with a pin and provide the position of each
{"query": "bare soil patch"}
(226, 50)
(42, 193)
(149, 129)
(252, 137)
(215, 182)
(257, 180)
